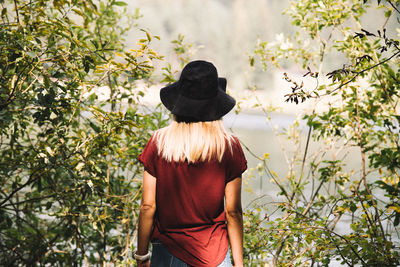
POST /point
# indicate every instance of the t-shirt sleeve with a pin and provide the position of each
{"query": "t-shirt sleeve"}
(237, 162)
(148, 156)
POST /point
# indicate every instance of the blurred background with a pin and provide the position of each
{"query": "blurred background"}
(226, 32)
(221, 31)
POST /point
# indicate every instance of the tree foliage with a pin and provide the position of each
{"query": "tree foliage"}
(68, 157)
(328, 210)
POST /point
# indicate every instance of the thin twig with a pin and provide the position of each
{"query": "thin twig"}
(16, 10)
(394, 7)
(303, 162)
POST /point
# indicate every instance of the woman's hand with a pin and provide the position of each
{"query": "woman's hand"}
(143, 263)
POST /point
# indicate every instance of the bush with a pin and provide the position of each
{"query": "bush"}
(68, 159)
(360, 124)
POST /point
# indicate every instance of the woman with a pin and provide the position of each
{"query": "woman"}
(191, 167)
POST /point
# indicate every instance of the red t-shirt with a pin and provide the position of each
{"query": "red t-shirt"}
(190, 216)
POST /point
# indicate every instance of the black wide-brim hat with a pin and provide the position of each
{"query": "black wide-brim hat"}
(198, 94)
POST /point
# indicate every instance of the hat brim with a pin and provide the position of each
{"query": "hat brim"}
(204, 110)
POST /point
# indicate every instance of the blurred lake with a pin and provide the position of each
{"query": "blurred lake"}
(258, 136)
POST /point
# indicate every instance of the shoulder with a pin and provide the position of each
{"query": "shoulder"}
(234, 149)
(149, 155)
(152, 140)
(236, 145)
(151, 145)
(235, 139)
(235, 161)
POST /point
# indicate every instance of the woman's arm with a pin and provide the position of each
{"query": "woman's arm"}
(146, 215)
(234, 218)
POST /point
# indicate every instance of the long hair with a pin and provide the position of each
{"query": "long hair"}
(193, 141)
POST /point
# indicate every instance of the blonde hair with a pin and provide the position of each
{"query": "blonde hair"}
(195, 141)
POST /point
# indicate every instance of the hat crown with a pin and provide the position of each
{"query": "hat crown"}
(199, 80)
(198, 95)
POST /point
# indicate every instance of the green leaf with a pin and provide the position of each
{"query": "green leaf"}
(148, 36)
(48, 205)
(388, 13)
(120, 3)
(94, 127)
(251, 60)
(78, 11)
(397, 219)
(46, 81)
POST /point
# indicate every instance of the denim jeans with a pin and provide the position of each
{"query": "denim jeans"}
(161, 257)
